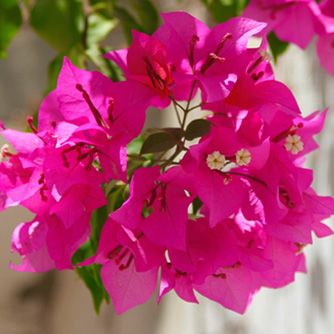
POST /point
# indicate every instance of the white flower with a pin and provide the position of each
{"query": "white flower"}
(215, 160)
(243, 157)
(293, 144)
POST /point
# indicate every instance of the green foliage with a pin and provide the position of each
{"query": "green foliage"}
(197, 128)
(99, 27)
(10, 23)
(158, 142)
(196, 204)
(277, 46)
(91, 274)
(147, 20)
(60, 23)
(147, 14)
(223, 10)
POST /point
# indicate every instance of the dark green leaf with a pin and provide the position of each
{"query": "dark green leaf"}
(197, 203)
(127, 21)
(277, 46)
(158, 142)
(10, 23)
(197, 128)
(59, 22)
(148, 15)
(91, 275)
(177, 133)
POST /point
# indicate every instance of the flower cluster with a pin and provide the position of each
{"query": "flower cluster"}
(222, 215)
(298, 21)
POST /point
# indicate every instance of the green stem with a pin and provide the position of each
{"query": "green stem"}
(177, 113)
(186, 111)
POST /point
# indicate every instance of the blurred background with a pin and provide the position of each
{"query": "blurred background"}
(59, 303)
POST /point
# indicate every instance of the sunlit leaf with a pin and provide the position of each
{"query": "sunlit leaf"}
(99, 27)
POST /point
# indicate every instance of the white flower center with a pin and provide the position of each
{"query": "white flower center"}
(243, 157)
(215, 160)
(293, 144)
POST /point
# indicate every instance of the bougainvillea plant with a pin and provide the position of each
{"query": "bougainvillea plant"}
(220, 205)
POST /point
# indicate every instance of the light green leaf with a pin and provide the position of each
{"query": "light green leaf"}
(99, 26)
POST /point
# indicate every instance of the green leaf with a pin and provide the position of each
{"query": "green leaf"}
(197, 128)
(223, 10)
(135, 145)
(104, 65)
(277, 46)
(99, 217)
(97, 221)
(147, 14)
(91, 275)
(177, 133)
(59, 22)
(53, 72)
(135, 160)
(76, 57)
(197, 203)
(158, 142)
(104, 7)
(99, 26)
(127, 21)
(10, 23)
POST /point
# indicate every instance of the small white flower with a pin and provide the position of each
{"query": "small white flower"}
(293, 144)
(243, 157)
(215, 160)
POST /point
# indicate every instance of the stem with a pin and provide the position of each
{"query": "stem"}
(198, 106)
(177, 113)
(172, 157)
(190, 95)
